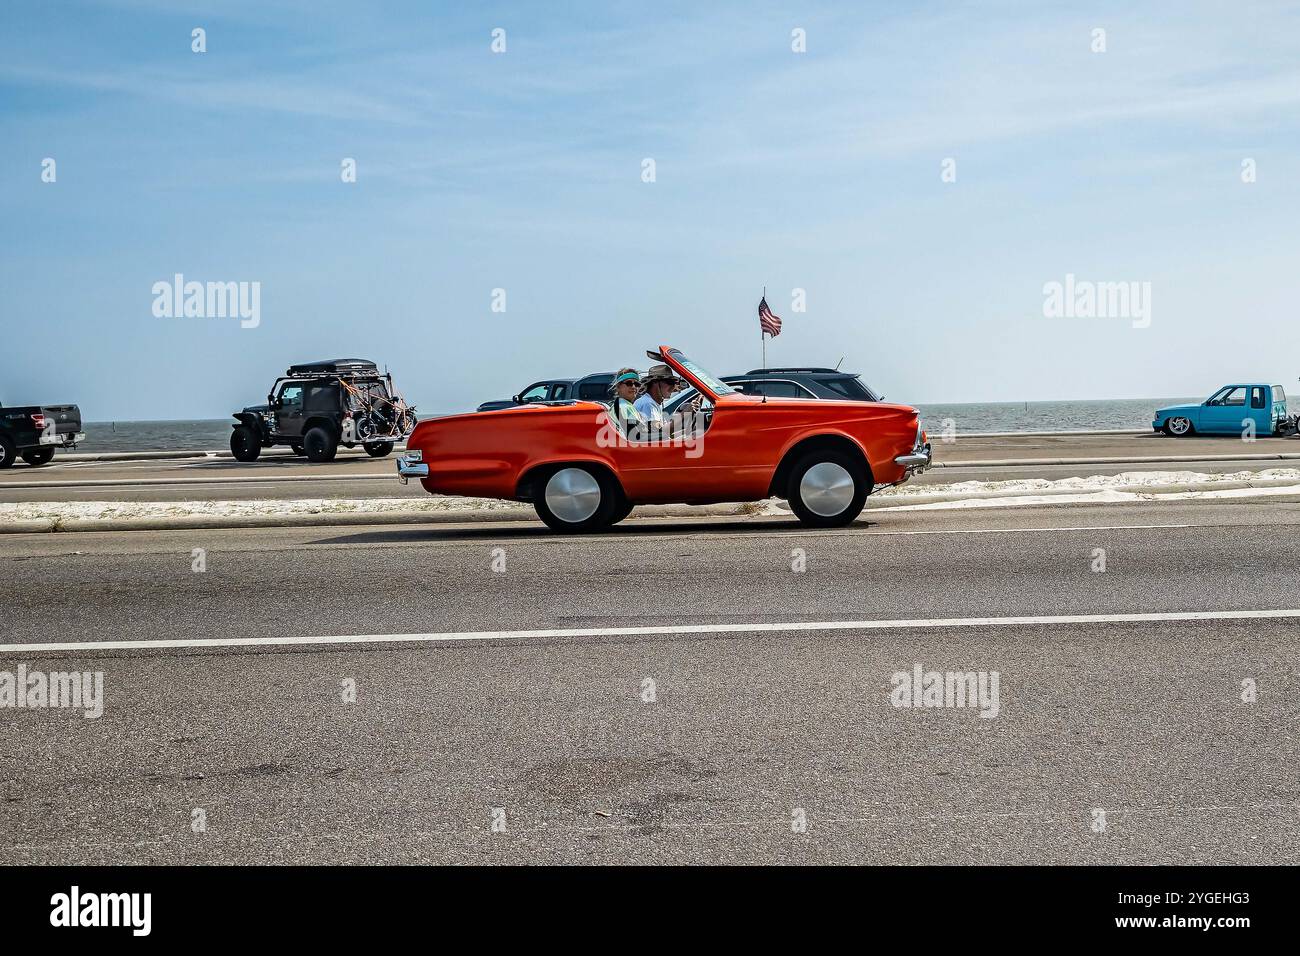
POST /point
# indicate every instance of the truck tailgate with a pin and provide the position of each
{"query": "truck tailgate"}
(66, 418)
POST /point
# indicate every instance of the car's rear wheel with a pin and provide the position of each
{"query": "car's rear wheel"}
(245, 444)
(1178, 427)
(320, 445)
(622, 511)
(38, 456)
(828, 488)
(7, 451)
(378, 449)
(577, 498)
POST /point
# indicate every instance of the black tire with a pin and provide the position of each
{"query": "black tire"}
(837, 505)
(378, 449)
(622, 511)
(320, 444)
(245, 443)
(1182, 430)
(38, 456)
(579, 483)
(298, 450)
(8, 452)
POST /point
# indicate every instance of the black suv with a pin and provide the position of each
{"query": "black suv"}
(807, 382)
(317, 406)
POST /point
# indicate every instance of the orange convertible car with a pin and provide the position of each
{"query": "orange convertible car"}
(583, 472)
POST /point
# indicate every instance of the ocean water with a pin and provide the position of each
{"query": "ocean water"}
(1135, 413)
(1132, 413)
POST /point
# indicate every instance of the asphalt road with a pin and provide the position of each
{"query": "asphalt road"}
(1144, 720)
(358, 476)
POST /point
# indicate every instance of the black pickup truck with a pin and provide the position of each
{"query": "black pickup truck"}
(32, 432)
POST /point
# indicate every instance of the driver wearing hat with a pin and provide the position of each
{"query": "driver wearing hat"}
(658, 384)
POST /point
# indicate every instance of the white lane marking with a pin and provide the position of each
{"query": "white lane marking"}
(452, 636)
(1110, 527)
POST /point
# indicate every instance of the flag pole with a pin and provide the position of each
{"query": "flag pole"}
(762, 334)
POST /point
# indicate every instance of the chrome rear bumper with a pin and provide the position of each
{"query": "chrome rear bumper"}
(411, 465)
(916, 462)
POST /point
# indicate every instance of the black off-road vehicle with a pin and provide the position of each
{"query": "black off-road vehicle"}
(315, 407)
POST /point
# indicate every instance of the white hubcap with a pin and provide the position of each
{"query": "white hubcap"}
(1179, 426)
(826, 489)
(573, 495)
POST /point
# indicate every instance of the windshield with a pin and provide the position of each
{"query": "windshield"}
(715, 384)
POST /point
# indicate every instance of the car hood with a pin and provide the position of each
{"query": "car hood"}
(1177, 408)
(257, 409)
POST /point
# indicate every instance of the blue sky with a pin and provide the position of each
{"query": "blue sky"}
(522, 171)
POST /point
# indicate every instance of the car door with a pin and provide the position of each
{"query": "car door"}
(1223, 412)
(289, 410)
(716, 460)
(1261, 410)
(533, 393)
(696, 464)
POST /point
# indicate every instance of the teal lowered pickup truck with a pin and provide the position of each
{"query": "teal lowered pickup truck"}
(1232, 410)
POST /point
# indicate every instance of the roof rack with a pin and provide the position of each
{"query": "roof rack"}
(799, 368)
(351, 366)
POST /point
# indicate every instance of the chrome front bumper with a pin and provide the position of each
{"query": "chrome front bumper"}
(411, 465)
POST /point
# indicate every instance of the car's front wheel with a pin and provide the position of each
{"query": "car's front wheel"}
(378, 449)
(577, 498)
(828, 488)
(8, 451)
(1178, 426)
(38, 456)
(320, 445)
(245, 444)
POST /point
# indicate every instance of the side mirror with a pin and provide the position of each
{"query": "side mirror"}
(516, 399)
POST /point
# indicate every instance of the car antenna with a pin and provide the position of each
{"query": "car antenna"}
(839, 363)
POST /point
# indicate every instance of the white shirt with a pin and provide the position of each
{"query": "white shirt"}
(650, 410)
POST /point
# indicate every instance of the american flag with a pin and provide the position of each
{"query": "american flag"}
(771, 323)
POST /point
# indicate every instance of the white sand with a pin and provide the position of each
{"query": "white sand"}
(1098, 489)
